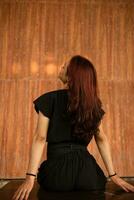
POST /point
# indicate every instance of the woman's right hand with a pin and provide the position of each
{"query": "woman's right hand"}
(24, 190)
(123, 184)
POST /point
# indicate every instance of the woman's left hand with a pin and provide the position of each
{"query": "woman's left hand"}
(123, 184)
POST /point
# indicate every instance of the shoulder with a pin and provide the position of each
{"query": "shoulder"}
(45, 103)
(52, 93)
(49, 95)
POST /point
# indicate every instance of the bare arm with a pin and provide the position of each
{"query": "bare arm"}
(104, 149)
(38, 143)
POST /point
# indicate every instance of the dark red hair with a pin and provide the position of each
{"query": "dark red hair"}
(84, 105)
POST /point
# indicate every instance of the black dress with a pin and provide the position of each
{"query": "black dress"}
(69, 165)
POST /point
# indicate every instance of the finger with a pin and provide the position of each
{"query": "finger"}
(27, 194)
(18, 191)
(22, 195)
(124, 188)
(130, 187)
(18, 194)
(13, 197)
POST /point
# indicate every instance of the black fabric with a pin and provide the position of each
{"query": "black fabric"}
(70, 167)
(44, 103)
(53, 105)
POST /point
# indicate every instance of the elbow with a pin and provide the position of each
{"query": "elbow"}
(38, 138)
(101, 138)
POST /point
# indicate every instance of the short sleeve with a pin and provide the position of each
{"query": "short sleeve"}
(44, 104)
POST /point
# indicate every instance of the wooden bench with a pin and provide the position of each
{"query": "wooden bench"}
(112, 192)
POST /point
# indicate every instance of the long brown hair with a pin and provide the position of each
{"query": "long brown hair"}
(84, 105)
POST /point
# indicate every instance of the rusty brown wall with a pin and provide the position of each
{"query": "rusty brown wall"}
(35, 38)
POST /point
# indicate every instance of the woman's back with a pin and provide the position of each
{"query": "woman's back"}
(69, 165)
(53, 104)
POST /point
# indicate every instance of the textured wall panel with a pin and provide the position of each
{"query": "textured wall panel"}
(36, 37)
